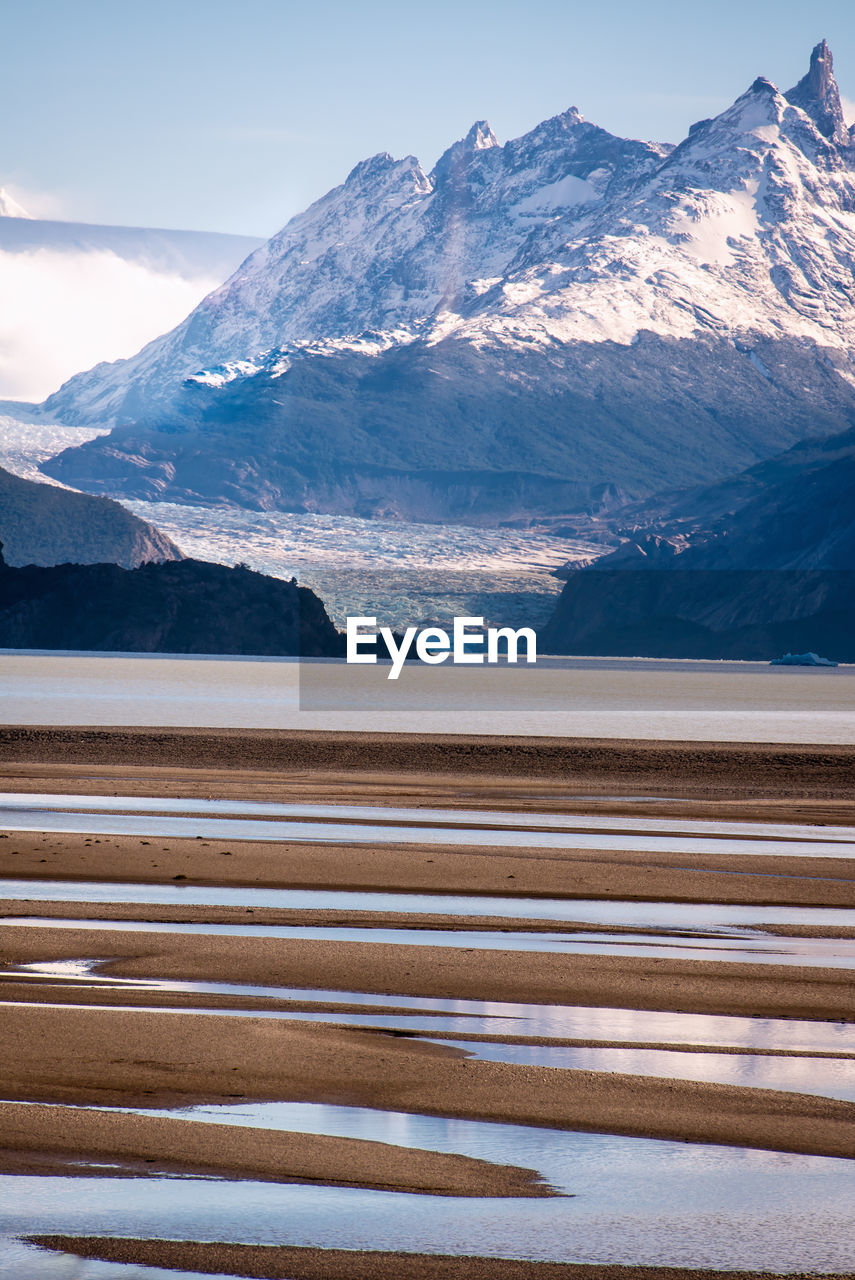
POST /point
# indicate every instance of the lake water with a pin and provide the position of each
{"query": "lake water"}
(425, 814)
(628, 1200)
(706, 918)
(745, 947)
(491, 1017)
(798, 1072)
(34, 816)
(575, 697)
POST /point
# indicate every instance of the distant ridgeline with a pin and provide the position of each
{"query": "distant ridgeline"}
(753, 567)
(181, 606)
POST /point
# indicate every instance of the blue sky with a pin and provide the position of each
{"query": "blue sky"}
(232, 116)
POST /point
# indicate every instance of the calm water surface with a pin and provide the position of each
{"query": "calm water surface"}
(430, 1013)
(376, 813)
(631, 1200)
(586, 697)
(31, 817)
(705, 917)
(747, 947)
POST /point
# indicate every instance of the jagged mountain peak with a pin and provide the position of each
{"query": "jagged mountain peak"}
(481, 136)
(563, 241)
(742, 139)
(382, 166)
(818, 95)
(455, 160)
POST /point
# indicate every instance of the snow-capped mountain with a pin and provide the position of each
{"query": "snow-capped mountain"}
(515, 331)
(74, 293)
(378, 260)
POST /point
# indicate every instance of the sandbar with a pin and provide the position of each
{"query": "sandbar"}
(266, 1262)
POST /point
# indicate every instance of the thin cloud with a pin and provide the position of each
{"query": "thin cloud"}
(38, 204)
(64, 312)
(848, 105)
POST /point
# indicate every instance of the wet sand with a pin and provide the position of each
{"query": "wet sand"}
(15, 909)
(163, 1056)
(142, 1058)
(74, 1134)
(282, 1263)
(689, 986)
(549, 873)
(753, 779)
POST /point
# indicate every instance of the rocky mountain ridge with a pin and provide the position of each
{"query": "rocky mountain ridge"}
(795, 511)
(514, 331)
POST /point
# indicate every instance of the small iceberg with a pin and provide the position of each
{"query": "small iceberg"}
(802, 660)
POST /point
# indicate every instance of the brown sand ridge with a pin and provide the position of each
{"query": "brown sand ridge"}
(699, 986)
(706, 779)
(561, 873)
(140, 1058)
(288, 1263)
(269, 1155)
(814, 771)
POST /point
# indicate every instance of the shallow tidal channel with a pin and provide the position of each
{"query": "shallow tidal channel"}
(621, 1199)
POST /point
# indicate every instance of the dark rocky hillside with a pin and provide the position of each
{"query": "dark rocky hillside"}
(796, 511)
(748, 568)
(42, 524)
(754, 615)
(184, 606)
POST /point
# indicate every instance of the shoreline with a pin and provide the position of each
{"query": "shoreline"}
(654, 984)
(490, 871)
(284, 1262)
(821, 771)
(63, 1136)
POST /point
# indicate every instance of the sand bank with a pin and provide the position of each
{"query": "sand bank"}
(233, 1151)
(713, 772)
(689, 986)
(12, 909)
(140, 1058)
(288, 1263)
(559, 873)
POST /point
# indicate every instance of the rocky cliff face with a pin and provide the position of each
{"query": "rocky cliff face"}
(818, 95)
(566, 311)
(757, 565)
(794, 512)
(44, 525)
